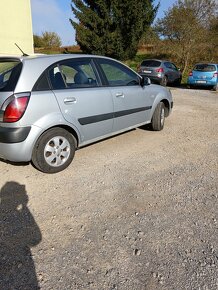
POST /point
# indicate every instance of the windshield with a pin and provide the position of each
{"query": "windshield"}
(151, 63)
(9, 74)
(205, 67)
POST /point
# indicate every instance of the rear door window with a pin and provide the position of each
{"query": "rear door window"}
(73, 73)
(9, 74)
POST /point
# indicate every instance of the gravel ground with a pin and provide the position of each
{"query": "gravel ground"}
(136, 211)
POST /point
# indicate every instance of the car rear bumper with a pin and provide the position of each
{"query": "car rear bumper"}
(13, 135)
(19, 150)
(197, 82)
(155, 79)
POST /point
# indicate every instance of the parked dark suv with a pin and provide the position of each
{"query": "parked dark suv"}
(162, 72)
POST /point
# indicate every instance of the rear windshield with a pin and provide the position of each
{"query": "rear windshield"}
(9, 74)
(151, 63)
(205, 67)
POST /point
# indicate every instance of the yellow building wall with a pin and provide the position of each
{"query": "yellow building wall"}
(15, 27)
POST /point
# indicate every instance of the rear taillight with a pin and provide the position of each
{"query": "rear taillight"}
(215, 75)
(159, 70)
(190, 74)
(14, 108)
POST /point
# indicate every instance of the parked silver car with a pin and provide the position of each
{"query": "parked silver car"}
(162, 72)
(52, 105)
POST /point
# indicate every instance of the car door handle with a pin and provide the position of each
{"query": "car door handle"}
(70, 100)
(119, 95)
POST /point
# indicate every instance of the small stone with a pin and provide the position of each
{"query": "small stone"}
(19, 265)
(155, 275)
(137, 252)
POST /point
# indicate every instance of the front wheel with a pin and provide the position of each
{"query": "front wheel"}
(158, 119)
(54, 150)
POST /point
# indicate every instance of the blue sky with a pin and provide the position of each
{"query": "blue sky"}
(53, 15)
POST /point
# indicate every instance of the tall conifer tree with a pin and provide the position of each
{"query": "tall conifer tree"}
(112, 27)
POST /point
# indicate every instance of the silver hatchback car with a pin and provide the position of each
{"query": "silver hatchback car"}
(162, 72)
(50, 105)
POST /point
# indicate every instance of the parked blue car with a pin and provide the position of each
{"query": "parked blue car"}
(205, 75)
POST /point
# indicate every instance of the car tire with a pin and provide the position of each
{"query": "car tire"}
(158, 118)
(215, 88)
(178, 82)
(164, 81)
(54, 150)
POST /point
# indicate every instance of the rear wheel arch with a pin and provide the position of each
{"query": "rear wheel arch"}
(64, 143)
(67, 128)
(72, 131)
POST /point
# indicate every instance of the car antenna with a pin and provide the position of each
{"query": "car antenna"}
(24, 54)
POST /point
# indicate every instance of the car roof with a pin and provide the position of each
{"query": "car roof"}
(52, 57)
(156, 59)
(210, 63)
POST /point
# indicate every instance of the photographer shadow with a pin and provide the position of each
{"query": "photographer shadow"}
(18, 233)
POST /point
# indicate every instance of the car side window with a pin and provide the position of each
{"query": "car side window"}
(42, 83)
(168, 65)
(9, 74)
(73, 73)
(173, 66)
(117, 74)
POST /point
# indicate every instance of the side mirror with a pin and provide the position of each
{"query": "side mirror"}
(145, 81)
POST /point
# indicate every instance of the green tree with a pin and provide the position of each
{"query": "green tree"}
(37, 40)
(185, 30)
(51, 39)
(48, 39)
(112, 27)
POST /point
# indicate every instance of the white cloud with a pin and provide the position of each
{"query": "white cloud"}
(53, 15)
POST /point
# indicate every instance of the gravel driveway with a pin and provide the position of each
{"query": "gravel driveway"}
(136, 211)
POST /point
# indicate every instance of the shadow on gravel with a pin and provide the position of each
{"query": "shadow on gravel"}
(18, 233)
(14, 163)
